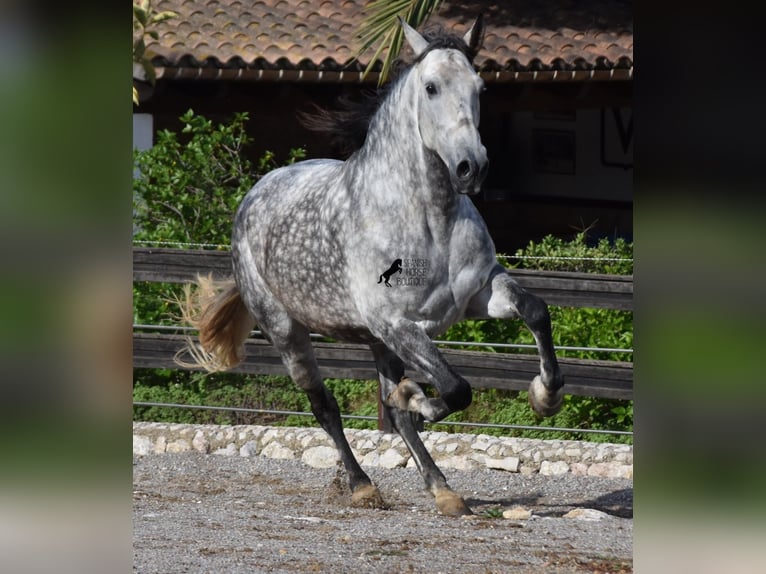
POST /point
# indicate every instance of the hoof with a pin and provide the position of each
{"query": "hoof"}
(400, 396)
(542, 401)
(450, 504)
(367, 496)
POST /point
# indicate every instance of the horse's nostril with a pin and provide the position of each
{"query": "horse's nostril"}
(464, 170)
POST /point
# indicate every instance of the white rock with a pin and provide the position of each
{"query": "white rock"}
(509, 463)
(320, 457)
(517, 513)
(276, 450)
(578, 469)
(441, 436)
(370, 459)
(391, 459)
(478, 457)
(250, 448)
(548, 468)
(458, 463)
(306, 440)
(611, 470)
(269, 435)
(230, 450)
(200, 443)
(160, 445)
(142, 445)
(586, 514)
(451, 447)
(180, 445)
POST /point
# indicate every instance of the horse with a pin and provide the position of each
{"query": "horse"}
(396, 267)
(420, 161)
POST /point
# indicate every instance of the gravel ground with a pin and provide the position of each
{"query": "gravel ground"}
(204, 513)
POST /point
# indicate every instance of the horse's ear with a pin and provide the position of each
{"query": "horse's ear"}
(474, 38)
(417, 42)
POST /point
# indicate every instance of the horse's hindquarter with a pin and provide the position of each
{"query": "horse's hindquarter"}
(286, 241)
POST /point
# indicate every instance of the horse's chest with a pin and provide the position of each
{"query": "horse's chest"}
(429, 289)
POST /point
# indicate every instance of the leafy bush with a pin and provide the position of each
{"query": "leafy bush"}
(558, 254)
(191, 184)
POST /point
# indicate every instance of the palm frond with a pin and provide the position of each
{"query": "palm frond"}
(381, 27)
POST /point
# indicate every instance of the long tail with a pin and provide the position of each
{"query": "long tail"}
(216, 309)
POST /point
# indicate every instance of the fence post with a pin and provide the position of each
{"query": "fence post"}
(384, 421)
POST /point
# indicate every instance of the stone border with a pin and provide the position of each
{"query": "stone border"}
(375, 448)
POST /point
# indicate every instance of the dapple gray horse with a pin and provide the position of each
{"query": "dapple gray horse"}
(402, 196)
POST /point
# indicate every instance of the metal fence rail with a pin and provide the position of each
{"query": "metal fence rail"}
(369, 418)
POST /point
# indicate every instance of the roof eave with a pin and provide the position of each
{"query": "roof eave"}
(172, 73)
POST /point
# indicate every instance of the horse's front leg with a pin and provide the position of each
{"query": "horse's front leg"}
(411, 344)
(503, 298)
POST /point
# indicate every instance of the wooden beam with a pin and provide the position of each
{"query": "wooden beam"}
(162, 265)
(606, 379)
(555, 287)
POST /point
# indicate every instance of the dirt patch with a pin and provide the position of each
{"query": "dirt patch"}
(195, 513)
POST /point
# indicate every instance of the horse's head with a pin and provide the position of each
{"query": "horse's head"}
(447, 102)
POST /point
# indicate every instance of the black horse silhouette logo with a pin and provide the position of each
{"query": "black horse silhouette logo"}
(396, 267)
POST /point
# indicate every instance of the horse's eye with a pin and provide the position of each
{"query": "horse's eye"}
(431, 89)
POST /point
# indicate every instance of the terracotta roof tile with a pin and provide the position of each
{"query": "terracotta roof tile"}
(522, 35)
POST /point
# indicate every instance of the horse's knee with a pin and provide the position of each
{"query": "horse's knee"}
(459, 396)
(535, 312)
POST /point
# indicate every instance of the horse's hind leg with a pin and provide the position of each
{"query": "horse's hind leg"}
(391, 371)
(298, 357)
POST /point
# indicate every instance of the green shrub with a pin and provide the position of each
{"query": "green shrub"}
(558, 254)
(190, 184)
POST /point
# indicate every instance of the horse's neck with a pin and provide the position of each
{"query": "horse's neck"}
(400, 170)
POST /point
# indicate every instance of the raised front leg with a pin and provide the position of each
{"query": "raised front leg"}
(503, 298)
(408, 341)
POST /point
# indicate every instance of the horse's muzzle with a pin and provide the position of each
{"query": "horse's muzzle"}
(469, 174)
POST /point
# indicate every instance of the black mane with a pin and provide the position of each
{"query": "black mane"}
(347, 124)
